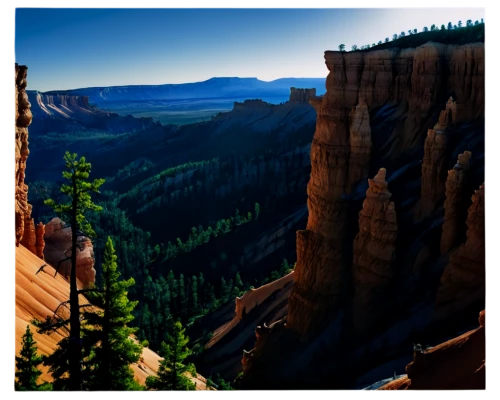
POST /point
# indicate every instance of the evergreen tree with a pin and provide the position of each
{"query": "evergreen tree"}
(27, 365)
(172, 371)
(257, 210)
(194, 294)
(106, 330)
(74, 211)
(237, 281)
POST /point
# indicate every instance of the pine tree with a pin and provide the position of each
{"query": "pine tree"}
(257, 210)
(79, 203)
(194, 294)
(27, 365)
(172, 371)
(107, 332)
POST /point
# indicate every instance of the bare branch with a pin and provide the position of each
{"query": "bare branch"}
(41, 268)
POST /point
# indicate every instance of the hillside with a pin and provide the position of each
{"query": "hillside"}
(39, 294)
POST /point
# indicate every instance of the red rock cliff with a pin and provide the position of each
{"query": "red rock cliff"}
(435, 161)
(25, 225)
(463, 282)
(455, 205)
(373, 251)
(23, 120)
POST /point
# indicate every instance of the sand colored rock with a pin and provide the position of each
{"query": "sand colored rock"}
(38, 295)
(455, 205)
(463, 281)
(23, 120)
(58, 252)
(301, 95)
(373, 251)
(458, 364)
(435, 163)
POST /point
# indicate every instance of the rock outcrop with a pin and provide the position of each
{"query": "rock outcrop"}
(29, 235)
(23, 120)
(40, 240)
(463, 280)
(435, 162)
(373, 252)
(301, 95)
(458, 364)
(361, 143)
(58, 252)
(455, 205)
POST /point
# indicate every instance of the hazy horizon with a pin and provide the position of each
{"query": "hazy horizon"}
(78, 48)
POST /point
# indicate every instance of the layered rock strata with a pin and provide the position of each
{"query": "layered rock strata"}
(23, 120)
(463, 281)
(58, 252)
(361, 143)
(373, 251)
(455, 205)
(435, 163)
(301, 95)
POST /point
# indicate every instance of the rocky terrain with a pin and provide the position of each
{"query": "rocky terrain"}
(346, 279)
(39, 288)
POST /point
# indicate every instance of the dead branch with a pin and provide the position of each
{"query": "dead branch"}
(41, 268)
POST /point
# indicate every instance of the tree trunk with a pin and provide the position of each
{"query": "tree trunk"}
(75, 346)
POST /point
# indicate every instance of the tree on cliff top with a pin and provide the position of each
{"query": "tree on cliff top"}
(106, 330)
(341, 47)
(79, 202)
(27, 365)
(171, 373)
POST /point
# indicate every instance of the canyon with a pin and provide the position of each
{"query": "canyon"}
(376, 187)
(342, 292)
(40, 289)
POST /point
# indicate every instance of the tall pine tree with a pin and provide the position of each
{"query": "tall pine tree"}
(172, 371)
(107, 332)
(27, 365)
(69, 355)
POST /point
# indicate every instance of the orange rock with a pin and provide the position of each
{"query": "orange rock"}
(40, 240)
(23, 120)
(58, 252)
(455, 205)
(29, 236)
(458, 363)
(463, 281)
(373, 251)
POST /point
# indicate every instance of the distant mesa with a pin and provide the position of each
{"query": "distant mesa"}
(301, 95)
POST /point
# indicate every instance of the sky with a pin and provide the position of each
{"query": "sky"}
(75, 48)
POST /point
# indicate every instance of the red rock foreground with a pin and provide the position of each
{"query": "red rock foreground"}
(38, 295)
(458, 363)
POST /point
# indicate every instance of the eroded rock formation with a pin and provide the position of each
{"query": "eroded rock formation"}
(361, 143)
(23, 120)
(40, 240)
(463, 280)
(58, 252)
(455, 205)
(373, 251)
(29, 235)
(458, 363)
(435, 162)
(301, 95)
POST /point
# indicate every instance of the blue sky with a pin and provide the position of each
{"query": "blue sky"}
(73, 48)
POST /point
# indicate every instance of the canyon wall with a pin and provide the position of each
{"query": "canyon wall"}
(26, 234)
(382, 108)
(23, 120)
(455, 206)
(301, 95)
(463, 280)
